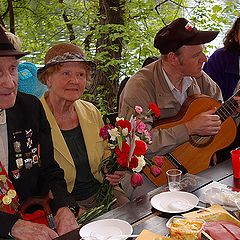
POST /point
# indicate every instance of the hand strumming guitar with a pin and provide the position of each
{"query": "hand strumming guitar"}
(204, 124)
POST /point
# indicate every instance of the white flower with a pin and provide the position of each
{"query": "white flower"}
(125, 132)
(137, 137)
(111, 146)
(141, 164)
(113, 133)
(118, 118)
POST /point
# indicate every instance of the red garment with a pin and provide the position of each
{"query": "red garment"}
(5, 186)
(36, 217)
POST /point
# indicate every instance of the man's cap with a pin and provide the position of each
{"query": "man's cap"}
(7, 48)
(61, 53)
(181, 32)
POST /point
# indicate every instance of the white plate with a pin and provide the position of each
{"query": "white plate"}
(106, 228)
(174, 202)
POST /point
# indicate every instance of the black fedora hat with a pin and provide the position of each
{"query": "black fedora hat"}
(7, 48)
(181, 32)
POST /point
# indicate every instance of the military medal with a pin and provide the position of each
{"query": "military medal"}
(17, 146)
(29, 142)
(19, 163)
(6, 200)
(35, 159)
(3, 178)
(16, 174)
(18, 155)
(8, 196)
(28, 133)
(28, 163)
(34, 150)
(11, 193)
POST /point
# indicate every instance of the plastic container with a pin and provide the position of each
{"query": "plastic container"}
(181, 228)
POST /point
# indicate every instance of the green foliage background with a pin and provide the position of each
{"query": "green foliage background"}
(40, 24)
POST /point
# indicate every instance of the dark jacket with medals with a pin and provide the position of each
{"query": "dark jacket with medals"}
(32, 168)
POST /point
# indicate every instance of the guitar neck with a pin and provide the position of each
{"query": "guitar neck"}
(228, 107)
(176, 163)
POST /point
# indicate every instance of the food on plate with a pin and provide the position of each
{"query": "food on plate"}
(186, 229)
(222, 230)
(148, 235)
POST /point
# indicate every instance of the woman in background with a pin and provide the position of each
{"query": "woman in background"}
(223, 67)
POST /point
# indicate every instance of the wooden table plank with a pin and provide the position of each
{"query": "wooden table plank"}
(140, 213)
(218, 172)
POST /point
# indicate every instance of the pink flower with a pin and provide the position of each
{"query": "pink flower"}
(158, 160)
(140, 125)
(148, 136)
(136, 180)
(138, 109)
(155, 170)
(104, 133)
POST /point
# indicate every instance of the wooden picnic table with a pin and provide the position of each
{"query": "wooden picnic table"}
(140, 214)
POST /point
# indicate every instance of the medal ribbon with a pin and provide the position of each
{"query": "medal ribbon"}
(8, 196)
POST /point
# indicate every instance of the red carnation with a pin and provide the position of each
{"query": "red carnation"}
(154, 108)
(140, 148)
(125, 149)
(124, 124)
(123, 161)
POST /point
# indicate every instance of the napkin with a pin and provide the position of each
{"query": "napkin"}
(222, 196)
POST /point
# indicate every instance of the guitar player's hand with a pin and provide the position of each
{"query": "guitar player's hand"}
(204, 124)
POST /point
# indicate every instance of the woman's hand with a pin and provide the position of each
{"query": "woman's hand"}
(115, 178)
(25, 230)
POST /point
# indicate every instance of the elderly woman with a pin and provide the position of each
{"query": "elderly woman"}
(75, 124)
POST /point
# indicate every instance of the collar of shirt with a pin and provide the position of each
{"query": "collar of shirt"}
(2, 116)
(4, 145)
(179, 95)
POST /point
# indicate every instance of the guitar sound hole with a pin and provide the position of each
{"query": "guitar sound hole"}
(200, 141)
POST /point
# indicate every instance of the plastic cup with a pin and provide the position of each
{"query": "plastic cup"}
(174, 179)
(235, 154)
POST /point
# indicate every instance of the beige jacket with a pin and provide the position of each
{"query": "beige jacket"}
(90, 121)
(149, 85)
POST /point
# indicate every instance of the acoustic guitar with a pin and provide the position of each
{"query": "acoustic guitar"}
(195, 155)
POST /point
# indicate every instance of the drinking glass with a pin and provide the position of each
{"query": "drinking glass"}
(174, 179)
(235, 155)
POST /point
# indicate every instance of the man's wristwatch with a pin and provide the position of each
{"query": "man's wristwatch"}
(74, 209)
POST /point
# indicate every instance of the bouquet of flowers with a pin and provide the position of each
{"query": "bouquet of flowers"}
(128, 141)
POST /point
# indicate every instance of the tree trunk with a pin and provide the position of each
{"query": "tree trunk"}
(107, 76)
(11, 17)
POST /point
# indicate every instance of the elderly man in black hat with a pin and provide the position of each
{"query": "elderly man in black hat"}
(170, 80)
(27, 166)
